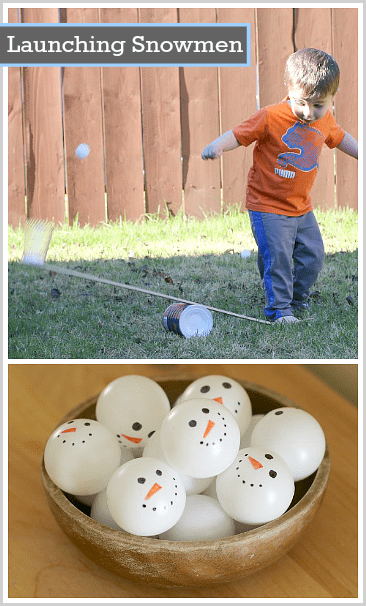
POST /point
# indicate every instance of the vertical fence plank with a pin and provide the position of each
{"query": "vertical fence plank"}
(274, 47)
(200, 125)
(238, 102)
(43, 132)
(345, 49)
(16, 184)
(313, 29)
(122, 131)
(161, 127)
(83, 124)
(165, 108)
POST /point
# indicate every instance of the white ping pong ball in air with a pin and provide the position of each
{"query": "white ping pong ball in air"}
(133, 407)
(145, 496)
(81, 455)
(200, 438)
(82, 151)
(296, 436)
(191, 485)
(224, 390)
(257, 488)
(203, 519)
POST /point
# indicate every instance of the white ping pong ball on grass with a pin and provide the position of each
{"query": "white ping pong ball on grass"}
(203, 519)
(257, 488)
(145, 496)
(200, 438)
(81, 455)
(296, 436)
(224, 390)
(133, 407)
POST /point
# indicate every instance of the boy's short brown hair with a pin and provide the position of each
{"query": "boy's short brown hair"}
(313, 71)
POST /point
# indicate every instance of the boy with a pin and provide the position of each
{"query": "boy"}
(289, 137)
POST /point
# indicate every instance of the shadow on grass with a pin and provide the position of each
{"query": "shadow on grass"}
(55, 316)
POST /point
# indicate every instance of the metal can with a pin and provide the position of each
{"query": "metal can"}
(188, 320)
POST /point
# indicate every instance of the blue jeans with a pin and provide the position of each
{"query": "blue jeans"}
(290, 257)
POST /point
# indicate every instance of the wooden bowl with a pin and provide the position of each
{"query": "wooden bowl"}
(188, 563)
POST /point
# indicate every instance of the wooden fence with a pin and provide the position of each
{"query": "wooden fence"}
(146, 127)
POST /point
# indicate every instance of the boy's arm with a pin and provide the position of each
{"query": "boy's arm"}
(349, 146)
(226, 142)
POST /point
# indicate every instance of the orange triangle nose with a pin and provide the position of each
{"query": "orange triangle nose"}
(131, 439)
(210, 425)
(219, 400)
(256, 464)
(152, 491)
(70, 430)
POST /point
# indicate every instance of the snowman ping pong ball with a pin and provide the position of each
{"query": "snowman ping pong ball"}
(200, 438)
(145, 496)
(224, 390)
(133, 407)
(257, 488)
(81, 455)
(191, 485)
(295, 435)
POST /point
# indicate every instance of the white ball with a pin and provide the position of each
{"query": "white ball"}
(133, 407)
(100, 511)
(81, 455)
(296, 436)
(145, 496)
(224, 390)
(245, 438)
(210, 491)
(245, 254)
(257, 488)
(191, 485)
(200, 438)
(203, 519)
(82, 150)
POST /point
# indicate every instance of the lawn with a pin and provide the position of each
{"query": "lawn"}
(53, 316)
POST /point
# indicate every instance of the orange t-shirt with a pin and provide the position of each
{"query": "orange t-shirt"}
(285, 157)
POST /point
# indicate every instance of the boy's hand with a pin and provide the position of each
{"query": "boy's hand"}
(211, 152)
(216, 148)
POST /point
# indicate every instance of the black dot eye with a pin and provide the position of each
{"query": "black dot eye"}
(141, 480)
(272, 473)
(205, 410)
(136, 426)
(226, 385)
(68, 422)
(86, 423)
(268, 456)
(159, 473)
(279, 412)
(151, 433)
(205, 389)
(192, 423)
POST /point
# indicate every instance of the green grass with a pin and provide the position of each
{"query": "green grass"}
(52, 316)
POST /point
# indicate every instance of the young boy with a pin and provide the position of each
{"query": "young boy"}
(289, 137)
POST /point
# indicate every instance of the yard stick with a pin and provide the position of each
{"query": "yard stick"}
(37, 240)
(85, 276)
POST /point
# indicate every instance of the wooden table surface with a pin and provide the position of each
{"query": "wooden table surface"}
(43, 563)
